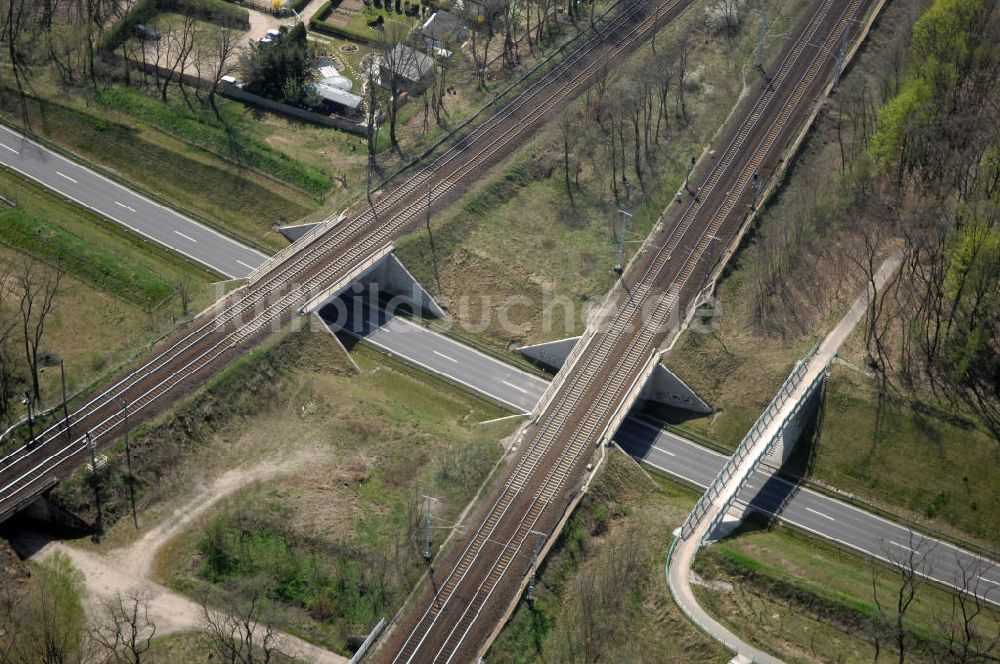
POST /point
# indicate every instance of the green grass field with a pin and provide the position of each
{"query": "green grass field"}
(808, 601)
(203, 129)
(95, 249)
(98, 267)
(936, 464)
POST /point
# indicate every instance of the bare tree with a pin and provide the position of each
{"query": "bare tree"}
(872, 237)
(180, 44)
(683, 50)
(38, 286)
(479, 45)
(373, 122)
(968, 639)
(911, 563)
(239, 637)
(124, 631)
(184, 295)
(8, 363)
(400, 63)
(219, 56)
(17, 33)
(568, 126)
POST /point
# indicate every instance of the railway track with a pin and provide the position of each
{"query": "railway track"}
(272, 296)
(533, 495)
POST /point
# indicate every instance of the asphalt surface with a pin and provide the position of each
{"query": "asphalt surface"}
(693, 464)
(437, 353)
(137, 213)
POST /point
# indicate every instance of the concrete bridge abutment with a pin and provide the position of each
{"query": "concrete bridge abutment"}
(662, 386)
(383, 280)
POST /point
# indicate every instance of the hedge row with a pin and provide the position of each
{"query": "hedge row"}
(214, 11)
(319, 24)
(144, 11)
(324, 10)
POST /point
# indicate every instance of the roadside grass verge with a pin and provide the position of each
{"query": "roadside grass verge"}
(99, 267)
(112, 305)
(936, 464)
(241, 203)
(105, 236)
(806, 600)
(204, 130)
(601, 594)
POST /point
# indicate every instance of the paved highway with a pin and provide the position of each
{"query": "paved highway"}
(439, 354)
(693, 464)
(136, 213)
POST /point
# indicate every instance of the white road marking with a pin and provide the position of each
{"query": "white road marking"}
(901, 546)
(674, 473)
(66, 176)
(445, 357)
(995, 583)
(245, 265)
(9, 148)
(519, 389)
(186, 237)
(825, 516)
(125, 206)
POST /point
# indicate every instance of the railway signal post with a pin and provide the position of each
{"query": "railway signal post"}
(128, 463)
(428, 554)
(99, 521)
(62, 374)
(759, 51)
(27, 401)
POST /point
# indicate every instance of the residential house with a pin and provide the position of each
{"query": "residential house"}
(442, 31)
(406, 69)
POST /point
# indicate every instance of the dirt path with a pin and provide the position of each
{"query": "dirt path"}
(127, 569)
(135, 560)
